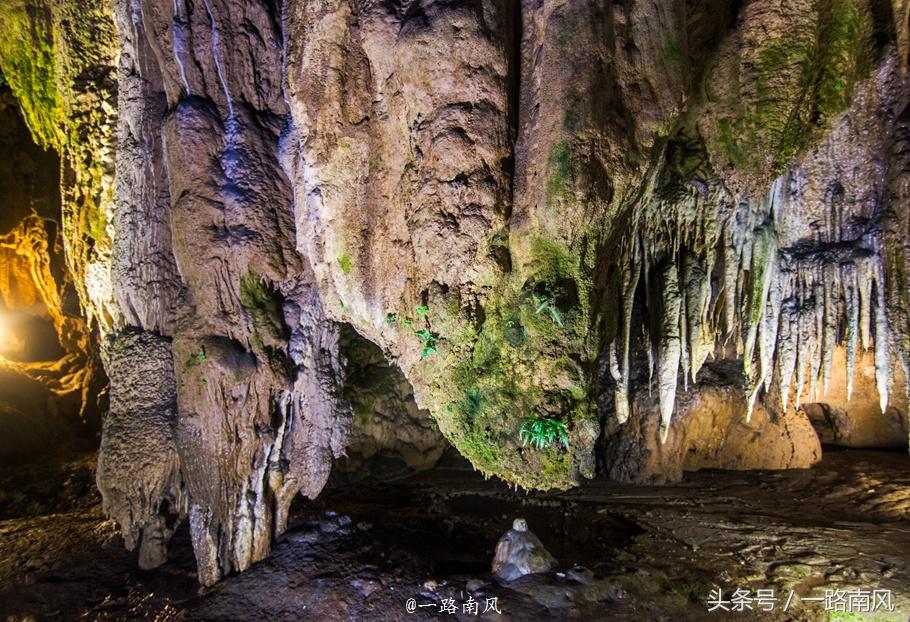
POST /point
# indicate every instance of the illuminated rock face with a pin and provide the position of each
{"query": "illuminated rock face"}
(609, 217)
(49, 372)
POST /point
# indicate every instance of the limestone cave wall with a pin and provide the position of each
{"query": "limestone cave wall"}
(675, 234)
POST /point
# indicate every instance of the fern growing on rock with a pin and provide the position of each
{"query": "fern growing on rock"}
(542, 432)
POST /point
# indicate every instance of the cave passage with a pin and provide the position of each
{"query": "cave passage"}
(50, 384)
(419, 309)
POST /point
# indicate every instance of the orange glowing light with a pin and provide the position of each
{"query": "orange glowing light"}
(9, 343)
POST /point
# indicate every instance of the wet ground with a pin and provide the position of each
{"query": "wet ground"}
(374, 551)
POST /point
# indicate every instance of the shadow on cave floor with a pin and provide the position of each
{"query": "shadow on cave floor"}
(362, 550)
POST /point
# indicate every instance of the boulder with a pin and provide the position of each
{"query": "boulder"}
(519, 552)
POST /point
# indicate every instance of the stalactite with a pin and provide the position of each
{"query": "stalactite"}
(669, 349)
(762, 269)
(818, 309)
(851, 296)
(830, 282)
(696, 272)
(788, 340)
(882, 343)
(620, 368)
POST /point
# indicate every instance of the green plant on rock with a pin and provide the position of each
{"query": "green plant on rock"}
(559, 186)
(346, 263)
(264, 306)
(422, 310)
(391, 318)
(428, 340)
(471, 405)
(542, 304)
(197, 358)
(407, 322)
(542, 432)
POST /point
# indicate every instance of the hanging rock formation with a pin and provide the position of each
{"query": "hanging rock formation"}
(571, 214)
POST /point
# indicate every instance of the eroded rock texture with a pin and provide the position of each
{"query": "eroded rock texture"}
(207, 270)
(659, 228)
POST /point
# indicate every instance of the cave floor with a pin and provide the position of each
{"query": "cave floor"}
(361, 551)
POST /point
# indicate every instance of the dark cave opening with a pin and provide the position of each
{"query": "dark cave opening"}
(391, 437)
(48, 404)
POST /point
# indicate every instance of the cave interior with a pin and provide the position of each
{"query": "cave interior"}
(400, 309)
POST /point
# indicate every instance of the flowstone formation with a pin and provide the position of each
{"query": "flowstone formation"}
(575, 227)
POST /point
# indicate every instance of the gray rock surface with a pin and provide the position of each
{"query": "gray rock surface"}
(519, 553)
(537, 211)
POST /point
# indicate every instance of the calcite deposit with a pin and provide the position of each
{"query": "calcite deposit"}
(664, 230)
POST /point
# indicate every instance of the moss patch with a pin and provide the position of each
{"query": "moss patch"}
(346, 263)
(518, 364)
(800, 86)
(60, 61)
(559, 187)
(264, 308)
(28, 56)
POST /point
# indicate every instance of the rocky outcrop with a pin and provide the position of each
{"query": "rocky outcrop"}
(542, 213)
(856, 420)
(59, 59)
(519, 553)
(708, 431)
(207, 270)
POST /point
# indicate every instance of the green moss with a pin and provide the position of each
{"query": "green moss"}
(264, 308)
(346, 263)
(518, 365)
(895, 275)
(375, 164)
(842, 50)
(499, 239)
(801, 86)
(54, 56)
(453, 307)
(551, 261)
(559, 187)
(671, 52)
(841, 616)
(557, 466)
(28, 57)
(760, 257)
(363, 410)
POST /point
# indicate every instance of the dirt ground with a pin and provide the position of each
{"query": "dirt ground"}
(363, 551)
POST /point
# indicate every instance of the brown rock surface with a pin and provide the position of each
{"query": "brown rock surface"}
(709, 431)
(537, 211)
